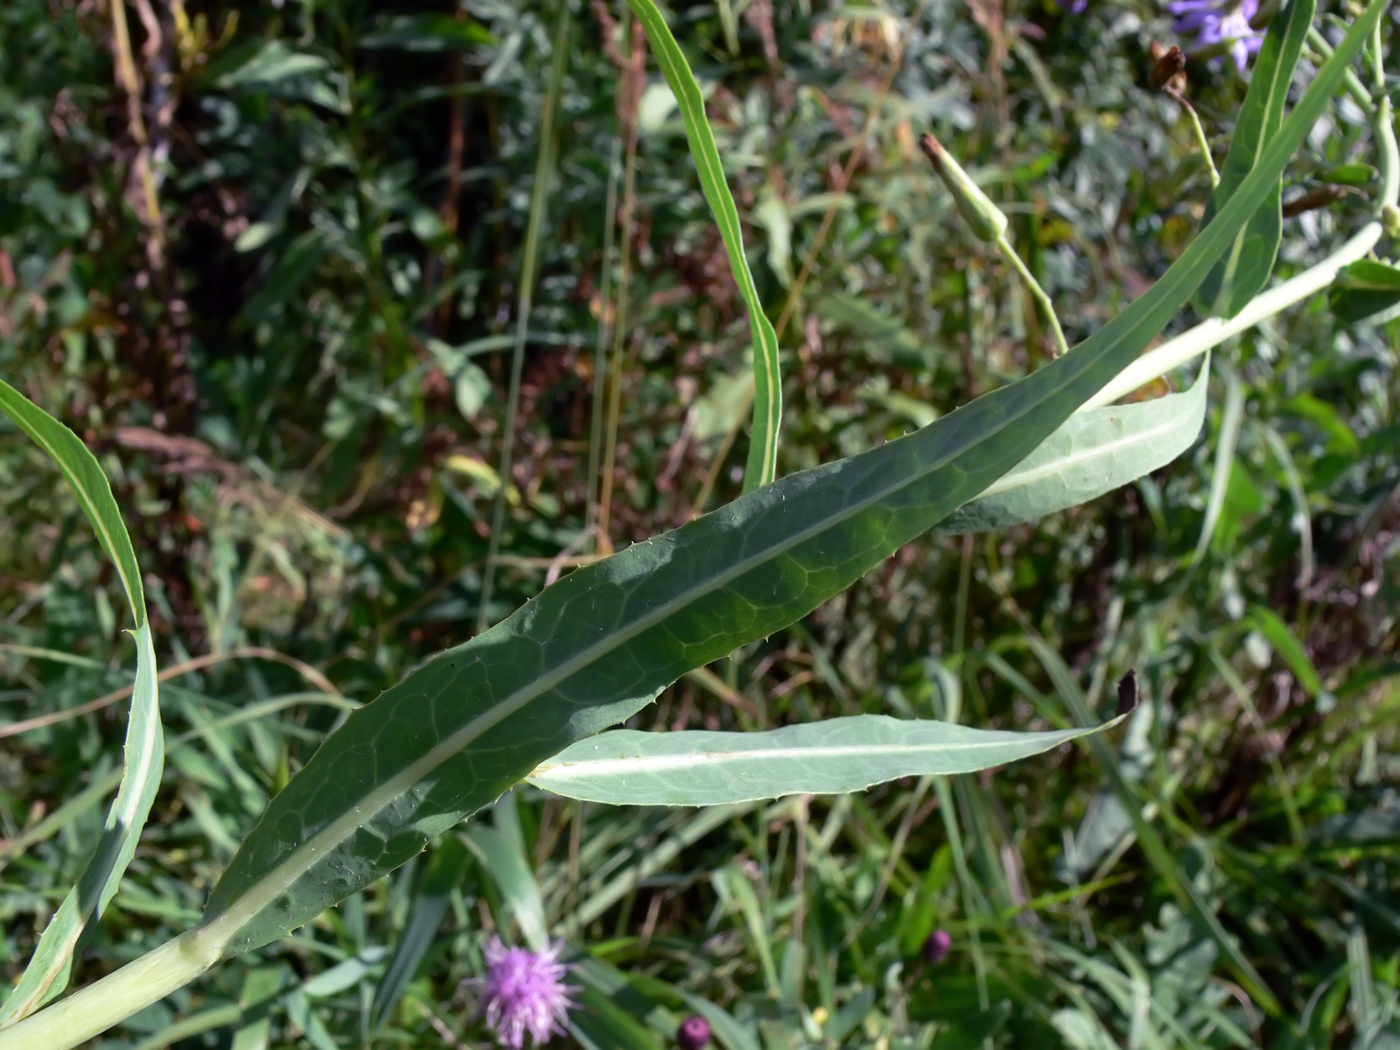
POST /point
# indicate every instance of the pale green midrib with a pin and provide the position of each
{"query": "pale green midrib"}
(585, 769)
(263, 892)
(1018, 479)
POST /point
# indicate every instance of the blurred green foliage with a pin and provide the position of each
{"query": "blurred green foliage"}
(295, 371)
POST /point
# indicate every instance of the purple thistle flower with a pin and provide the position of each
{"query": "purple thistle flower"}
(524, 993)
(1220, 22)
(936, 948)
(694, 1033)
(1074, 7)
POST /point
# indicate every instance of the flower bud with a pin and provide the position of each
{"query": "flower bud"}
(985, 218)
(1168, 69)
(694, 1033)
(936, 948)
(1390, 219)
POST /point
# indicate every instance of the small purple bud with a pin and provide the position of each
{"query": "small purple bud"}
(937, 946)
(694, 1033)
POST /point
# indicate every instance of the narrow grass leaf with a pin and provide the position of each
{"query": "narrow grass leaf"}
(1244, 271)
(443, 875)
(839, 755)
(48, 971)
(1096, 450)
(600, 644)
(768, 391)
(1286, 644)
(1151, 842)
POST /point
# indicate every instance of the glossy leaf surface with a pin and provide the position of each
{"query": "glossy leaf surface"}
(836, 756)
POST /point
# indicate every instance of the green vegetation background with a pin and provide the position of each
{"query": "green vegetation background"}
(296, 370)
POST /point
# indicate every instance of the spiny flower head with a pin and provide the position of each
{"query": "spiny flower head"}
(1220, 22)
(524, 993)
(694, 1033)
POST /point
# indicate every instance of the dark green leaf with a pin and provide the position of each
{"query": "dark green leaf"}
(1367, 293)
(1244, 271)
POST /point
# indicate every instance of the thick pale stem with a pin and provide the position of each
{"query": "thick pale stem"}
(90, 1011)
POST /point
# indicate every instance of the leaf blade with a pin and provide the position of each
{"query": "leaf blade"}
(835, 756)
(767, 373)
(50, 967)
(1096, 451)
(1240, 276)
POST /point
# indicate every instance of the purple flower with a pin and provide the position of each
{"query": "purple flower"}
(1220, 22)
(694, 1033)
(1074, 7)
(936, 948)
(524, 993)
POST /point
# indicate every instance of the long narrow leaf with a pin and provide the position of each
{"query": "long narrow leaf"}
(600, 644)
(768, 390)
(836, 756)
(1097, 450)
(1244, 271)
(48, 971)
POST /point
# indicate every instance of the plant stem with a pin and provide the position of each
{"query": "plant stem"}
(92, 1010)
(1201, 139)
(1046, 307)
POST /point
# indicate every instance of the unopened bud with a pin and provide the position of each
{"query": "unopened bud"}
(1390, 219)
(936, 948)
(1168, 69)
(985, 218)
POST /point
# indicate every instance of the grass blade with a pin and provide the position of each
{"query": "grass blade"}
(444, 874)
(48, 971)
(835, 756)
(768, 391)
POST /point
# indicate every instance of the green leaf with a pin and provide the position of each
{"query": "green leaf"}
(1366, 293)
(1269, 624)
(1240, 276)
(839, 755)
(443, 875)
(768, 389)
(1097, 450)
(426, 33)
(501, 853)
(280, 71)
(48, 971)
(601, 643)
